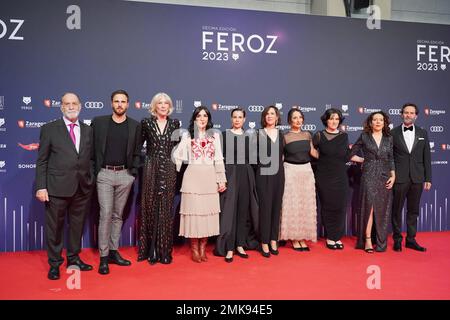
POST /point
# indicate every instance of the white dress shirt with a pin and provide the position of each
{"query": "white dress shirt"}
(76, 130)
(409, 137)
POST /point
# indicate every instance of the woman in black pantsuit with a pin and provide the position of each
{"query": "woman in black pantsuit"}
(331, 176)
(239, 203)
(270, 179)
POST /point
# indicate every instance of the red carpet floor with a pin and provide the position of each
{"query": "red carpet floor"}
(318, 274)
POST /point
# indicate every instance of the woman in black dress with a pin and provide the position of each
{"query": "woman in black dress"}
(159, 180)
(378, 177)
(270, 179)
(331, 176)
(239, 203)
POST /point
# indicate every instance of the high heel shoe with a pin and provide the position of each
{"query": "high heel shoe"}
(263, 253)
(228, 260)
(275, 252)
(339, 246)
(369, 250)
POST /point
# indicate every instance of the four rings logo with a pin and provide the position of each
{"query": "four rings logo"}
(309, 127)
(93, 104)
(255, 108)
(436, 129)
(395, 112)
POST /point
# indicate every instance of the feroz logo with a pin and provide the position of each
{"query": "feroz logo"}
(436, 129)
(197, 103)
(93, 105)
(2, 163)
(2, 121)
(87, 122)
(252, 124)
(13, 35)
(26, 100)
(218, 43)
(431, 144)
(345, 107)
(279, 105)
(432, 55)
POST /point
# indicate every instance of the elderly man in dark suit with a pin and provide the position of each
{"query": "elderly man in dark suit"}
(117, 156)
(412, 159)
(64, 181)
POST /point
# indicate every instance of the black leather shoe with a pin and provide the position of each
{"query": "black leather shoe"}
(116, 258)
(242, 255)
(297, 249)
(79, 263)
(415, 246)
(264, 254)
(166, 260)
(104, 267)
(331, 246)
(53, 273)
(152, 260)
(398, 245)
(339, 246)
(274, 252)
(228, 260)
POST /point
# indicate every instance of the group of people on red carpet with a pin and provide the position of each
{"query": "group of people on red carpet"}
(248, 189)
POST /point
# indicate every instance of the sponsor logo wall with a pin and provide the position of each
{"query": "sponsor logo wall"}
(215, 57)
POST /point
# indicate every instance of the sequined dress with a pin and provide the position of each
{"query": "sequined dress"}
(158, 191)
(378, 162)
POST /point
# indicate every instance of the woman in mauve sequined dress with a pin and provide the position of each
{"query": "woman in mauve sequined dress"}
(159, 181)
(378, 177)
(203, 179)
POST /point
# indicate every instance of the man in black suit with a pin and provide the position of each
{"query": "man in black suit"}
(413, 171)
(117, 156)
(64, 180)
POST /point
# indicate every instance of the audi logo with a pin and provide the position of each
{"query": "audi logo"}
(309, 127)
(436, 129)
(93, 104)
(395, 112)
(255, 108)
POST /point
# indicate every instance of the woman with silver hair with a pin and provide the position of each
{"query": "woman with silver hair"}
(159, 182)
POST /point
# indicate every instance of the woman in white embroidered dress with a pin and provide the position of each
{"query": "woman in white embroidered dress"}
(203, 179)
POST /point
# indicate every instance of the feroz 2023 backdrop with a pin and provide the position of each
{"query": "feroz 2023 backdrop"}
(220, 58)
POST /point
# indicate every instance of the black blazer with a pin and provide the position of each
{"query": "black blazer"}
(100, 125)
(415, 165)
(59, 168)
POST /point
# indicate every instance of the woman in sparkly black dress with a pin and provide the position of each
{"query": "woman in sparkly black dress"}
(378, 177)
(159, 182)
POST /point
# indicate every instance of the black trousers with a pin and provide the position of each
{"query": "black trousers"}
(270, 190)
(56, 209)
(239, 228)
(412, 193)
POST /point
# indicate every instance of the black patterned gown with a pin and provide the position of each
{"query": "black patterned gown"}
(158, 191)
(378, 163)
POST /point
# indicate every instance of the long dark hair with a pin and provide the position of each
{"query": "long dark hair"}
(209, 125)
(368, 123)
